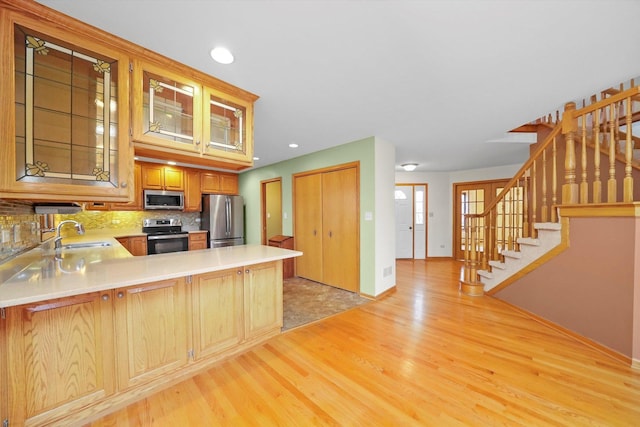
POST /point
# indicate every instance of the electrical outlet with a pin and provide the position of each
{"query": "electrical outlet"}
(6, 236)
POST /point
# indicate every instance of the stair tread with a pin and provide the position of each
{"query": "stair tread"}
(528, 241)
(512, 254)
(498, 264)
(485, 273)
(547, 226)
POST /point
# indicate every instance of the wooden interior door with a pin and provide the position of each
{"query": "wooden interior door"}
(471, 198)
(340, 206)
(308, 225)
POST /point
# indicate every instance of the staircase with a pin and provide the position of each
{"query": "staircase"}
(588, 158)
(514, 263)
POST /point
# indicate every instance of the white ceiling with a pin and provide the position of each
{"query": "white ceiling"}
(436, 78)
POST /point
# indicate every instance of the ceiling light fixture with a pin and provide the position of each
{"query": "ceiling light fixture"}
(409, 166)
(222, 55)
(293, 145)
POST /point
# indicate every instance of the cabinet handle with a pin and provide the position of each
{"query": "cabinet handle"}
(120, 294)
(105, 297)
(314, 232)
(330, 234)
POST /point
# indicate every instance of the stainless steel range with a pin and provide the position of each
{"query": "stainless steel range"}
(165, 235)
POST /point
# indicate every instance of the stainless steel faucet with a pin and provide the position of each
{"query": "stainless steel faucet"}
(58, 240)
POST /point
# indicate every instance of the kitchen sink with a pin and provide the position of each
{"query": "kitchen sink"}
(81, 245)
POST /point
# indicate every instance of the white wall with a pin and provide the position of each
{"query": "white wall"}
(385, 240)
(440, 200)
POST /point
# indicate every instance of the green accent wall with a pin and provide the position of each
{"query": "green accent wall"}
(362, 151)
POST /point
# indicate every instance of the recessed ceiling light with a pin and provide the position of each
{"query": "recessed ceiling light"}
(256, 158)
(171, 163)
(221, 55)
(293, 145)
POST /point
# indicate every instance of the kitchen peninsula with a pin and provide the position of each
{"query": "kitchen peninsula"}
(85, 335)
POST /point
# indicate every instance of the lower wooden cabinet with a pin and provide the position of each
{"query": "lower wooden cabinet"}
(136, 245)
(217, 310)
(60, 356)
(197, 240)
(151, 331)
(262, 298)
(71, 358)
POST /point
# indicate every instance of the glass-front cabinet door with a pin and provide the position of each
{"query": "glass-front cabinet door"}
(179, 118)
(70, 106)
(226, 130)
(166, 109)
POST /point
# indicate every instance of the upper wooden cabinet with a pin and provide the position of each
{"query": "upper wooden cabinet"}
(65, 112)
(158, 177)
(190, 119)
(218, 183)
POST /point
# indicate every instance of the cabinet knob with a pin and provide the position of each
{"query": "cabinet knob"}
(120, 294)
(239, 272)
(105, 297)
(123, 184)
(247, 271)
(197, 142)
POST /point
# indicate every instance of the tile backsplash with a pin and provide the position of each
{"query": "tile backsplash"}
(124, 220)
(19, 227)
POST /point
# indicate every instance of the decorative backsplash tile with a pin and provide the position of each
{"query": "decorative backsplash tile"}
(124, 220)
(19, 228)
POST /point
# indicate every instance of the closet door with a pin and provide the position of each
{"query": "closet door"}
(308, 226)
(340, 225)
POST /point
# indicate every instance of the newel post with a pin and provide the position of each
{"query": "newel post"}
(569, 129)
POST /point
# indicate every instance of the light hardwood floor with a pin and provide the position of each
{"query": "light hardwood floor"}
(425, 355)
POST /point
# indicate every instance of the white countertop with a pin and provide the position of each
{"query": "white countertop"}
(80, 271)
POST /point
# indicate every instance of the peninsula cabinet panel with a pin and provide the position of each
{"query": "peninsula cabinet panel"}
(326, 229)
(61, 357)
(262, 298)
(65, 104)
(216, 304)
(151, 330)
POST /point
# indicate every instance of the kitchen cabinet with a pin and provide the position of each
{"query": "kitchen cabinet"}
(60, 355)
(217, 310)
(136, 245)
(159, 177)
(187, 116)
(326, 218)
(150, 331)
(192, 194)
(66, 128)
(198, 240)
(284, 242)
(66, 360)
(136, 203)
(219, 183)
(262, 299)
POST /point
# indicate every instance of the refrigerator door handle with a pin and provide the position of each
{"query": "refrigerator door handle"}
(227, 207)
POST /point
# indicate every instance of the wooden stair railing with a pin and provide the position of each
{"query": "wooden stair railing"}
(574, 150)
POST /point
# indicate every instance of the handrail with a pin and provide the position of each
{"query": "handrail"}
(591, 135)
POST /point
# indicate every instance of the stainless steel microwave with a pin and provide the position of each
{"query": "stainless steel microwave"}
(166, 200)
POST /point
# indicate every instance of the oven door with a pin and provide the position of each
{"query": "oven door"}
(165, 243)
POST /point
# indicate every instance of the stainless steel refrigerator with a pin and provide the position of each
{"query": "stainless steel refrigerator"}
(223, 218)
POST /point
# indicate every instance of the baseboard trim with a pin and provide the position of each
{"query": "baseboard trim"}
(385, 294)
